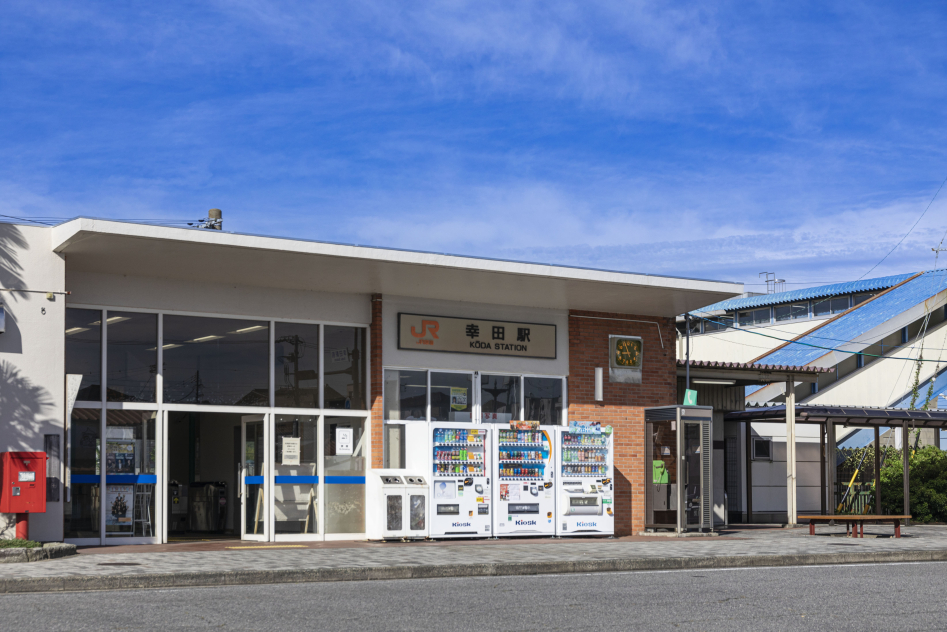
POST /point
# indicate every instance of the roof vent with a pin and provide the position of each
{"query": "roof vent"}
(214, 221)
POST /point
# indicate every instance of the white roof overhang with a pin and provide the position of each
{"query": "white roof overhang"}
(218, 257)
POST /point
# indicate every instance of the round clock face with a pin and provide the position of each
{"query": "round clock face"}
(628, 353)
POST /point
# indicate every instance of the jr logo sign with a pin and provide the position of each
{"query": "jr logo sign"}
(427, 327)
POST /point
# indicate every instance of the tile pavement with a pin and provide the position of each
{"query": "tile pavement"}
(758, 544)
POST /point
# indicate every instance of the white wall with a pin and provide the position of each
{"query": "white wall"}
(31, 357)
(116, 290)
(393, 356)
(742, 345)
(769, 478)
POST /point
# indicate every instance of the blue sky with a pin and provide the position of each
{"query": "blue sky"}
(703, 140)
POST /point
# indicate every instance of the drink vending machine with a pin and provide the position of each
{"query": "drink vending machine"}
(525, 473)
(586, 487)
(460, 489)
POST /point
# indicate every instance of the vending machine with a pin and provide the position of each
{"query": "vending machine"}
(585, 453)
(526, 481)
(460, 488)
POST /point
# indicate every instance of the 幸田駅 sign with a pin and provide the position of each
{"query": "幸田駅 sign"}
(418, 332)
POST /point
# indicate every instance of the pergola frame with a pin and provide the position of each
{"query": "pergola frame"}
(828, 417)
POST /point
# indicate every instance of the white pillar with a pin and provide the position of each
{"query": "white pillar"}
(791, 511)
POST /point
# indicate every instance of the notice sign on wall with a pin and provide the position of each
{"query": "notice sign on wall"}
(470, 335)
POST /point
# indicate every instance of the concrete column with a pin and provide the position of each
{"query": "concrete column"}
(877, 470)
(905, 457)
(791, 511)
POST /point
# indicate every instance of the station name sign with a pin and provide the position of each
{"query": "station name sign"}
(418, 332)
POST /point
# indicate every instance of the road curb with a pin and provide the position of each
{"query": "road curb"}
(434, 571)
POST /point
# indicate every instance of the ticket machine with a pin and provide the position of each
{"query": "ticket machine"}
(22, 487)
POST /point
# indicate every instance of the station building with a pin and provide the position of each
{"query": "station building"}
(157, 366)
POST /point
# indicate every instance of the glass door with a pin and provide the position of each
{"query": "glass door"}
(691, 461)
(296, 478)
(253, 463)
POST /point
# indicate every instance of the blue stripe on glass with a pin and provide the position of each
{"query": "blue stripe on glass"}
(253, 480)
(345, 480)
(297, 480)
(116, 479)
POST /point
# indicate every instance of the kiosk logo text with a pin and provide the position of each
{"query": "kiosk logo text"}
(460, 524)
(525, 523)
(585, 524)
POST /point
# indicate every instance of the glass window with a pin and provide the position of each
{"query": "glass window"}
(500, 398)
(543, 399)
(754, 317)
(791, 312)
(219, 361)
(828, 306)
(451, 396)
(405, 395)
(132, 352)
(861, 298)
(345, 474)
(297, 365)
(718, 323)
(130, 474)
(84, 351)
(296, 493)
(82, 514)
(344, 367)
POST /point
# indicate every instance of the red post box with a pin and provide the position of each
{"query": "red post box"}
(22, 487)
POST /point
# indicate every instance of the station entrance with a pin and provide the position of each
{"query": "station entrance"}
(206, 452)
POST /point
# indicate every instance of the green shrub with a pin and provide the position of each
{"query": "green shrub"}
(20, 544)
(928, 479)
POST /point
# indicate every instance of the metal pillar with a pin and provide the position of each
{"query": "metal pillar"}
(791, 511)
(822, 486)
(749, 472)
(830, 470)
(877, 470)
(905, 457)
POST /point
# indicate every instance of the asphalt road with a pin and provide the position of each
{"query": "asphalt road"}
(863, 597)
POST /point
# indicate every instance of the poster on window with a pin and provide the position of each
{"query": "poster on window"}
(343, 441)
(120, 508)
(291, 451)
(120, 456)
(458, 398)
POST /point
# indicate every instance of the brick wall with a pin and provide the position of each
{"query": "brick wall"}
(376, 376)
(624, 404)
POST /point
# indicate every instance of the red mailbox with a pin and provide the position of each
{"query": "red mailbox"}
(22, 486)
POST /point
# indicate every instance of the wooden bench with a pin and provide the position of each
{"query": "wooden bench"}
(855, 525)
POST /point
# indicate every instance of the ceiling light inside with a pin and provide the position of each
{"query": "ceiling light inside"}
(206, 339)
(76, 330)
(247, 330)
(714, 382)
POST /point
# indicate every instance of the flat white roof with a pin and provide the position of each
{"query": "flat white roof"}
(215, 256)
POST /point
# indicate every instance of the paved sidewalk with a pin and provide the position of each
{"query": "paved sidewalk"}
(237, 562)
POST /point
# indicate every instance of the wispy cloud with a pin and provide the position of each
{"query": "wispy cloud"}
(694, 139)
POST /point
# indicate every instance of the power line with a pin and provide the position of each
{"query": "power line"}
(909, 232)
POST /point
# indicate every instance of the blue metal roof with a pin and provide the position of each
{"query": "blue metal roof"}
(836, 289)
(860, 320)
